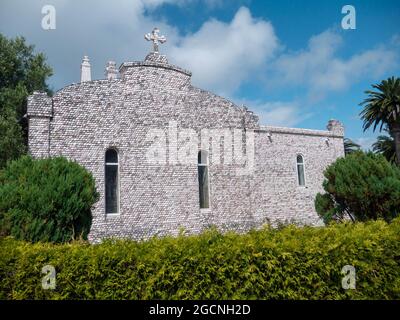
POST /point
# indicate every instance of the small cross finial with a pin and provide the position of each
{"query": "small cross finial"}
(156, 38)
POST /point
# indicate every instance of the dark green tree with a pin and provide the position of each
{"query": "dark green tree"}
(46, 199)
(11, 137)
(382, 108)
(361, 186)
(21, 72)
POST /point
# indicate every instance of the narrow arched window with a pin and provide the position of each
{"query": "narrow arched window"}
(204, 192)
(300, 170)
(112, 182)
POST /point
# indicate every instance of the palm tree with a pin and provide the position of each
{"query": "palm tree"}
(350, 146)
(385, 146)
(382, 108)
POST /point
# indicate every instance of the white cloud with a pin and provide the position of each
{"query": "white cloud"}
(153, 4)
(294, 67)
(365, 142)
(278, 113)
(224, 55)
(396, 39)
(320, 70)
(102, 30)
(221, 55)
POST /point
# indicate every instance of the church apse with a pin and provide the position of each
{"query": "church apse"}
(155, 122)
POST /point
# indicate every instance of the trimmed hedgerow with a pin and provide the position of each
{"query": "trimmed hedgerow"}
(289, 263)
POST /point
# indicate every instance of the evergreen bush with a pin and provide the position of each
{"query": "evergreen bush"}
(46, 199)
(361, 186)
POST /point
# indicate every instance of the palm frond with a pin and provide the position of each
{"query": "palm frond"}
(382, 107)
(385, 145)
(350, 146)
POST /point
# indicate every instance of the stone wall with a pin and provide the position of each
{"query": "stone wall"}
(39, 112)
(158, 199)
(280, 198)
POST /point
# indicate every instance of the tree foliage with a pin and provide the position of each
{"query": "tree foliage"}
(21, 72)
(382, 109)
(11, 137)
(361, 186)
(46, 199)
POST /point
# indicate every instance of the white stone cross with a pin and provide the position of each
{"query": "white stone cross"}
(156, 38)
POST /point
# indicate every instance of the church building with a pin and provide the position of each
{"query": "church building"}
(166, 155)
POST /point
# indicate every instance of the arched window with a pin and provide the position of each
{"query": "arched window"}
(300, 170)
(112, 182)
(204, 192)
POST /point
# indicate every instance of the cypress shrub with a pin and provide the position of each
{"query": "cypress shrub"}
(46, 199)
(361, 186)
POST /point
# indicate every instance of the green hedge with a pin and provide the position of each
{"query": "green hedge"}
(286, 263)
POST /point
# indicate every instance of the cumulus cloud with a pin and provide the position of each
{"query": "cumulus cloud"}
(320, 70)
(221, 55)
(365, 142)
(396, 40)
(153, 4)
(278, 113)
(224, 55)
(100, 29)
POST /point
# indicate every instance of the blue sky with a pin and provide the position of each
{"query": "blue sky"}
(290, 61)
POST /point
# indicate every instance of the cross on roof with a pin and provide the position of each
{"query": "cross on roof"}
(156, 38)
